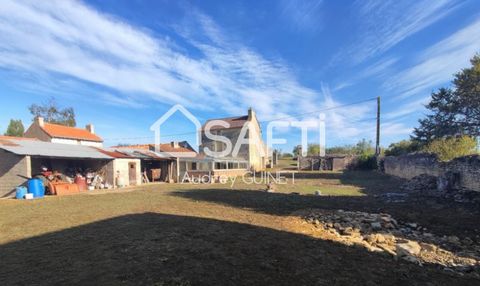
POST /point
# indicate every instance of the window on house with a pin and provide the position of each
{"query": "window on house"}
(243, 165)
(220, 165)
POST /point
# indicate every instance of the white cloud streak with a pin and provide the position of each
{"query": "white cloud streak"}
(302, 15)
(73, 40)
(439, 62)
(384, 24)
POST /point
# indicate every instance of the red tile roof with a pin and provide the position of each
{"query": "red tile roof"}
(60, 131)
(168, 148)
(235, 122)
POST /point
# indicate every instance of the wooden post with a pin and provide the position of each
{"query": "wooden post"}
(377, 143)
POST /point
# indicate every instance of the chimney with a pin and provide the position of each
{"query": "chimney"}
(251, 114)
(174, 144)
(39, 121)
(90, 128)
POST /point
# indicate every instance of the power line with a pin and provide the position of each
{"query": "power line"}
(264, 121)
(321, 110)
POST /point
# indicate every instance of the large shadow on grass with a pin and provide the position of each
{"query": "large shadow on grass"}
(157, 249)
(440, 219)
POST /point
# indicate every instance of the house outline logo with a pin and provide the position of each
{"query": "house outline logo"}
(157, 124)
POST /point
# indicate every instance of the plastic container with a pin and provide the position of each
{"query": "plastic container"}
(20, 192)
(120, 182)
(82, 183)
(35, 187)
(62, 189)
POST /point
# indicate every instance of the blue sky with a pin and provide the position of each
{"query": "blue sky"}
(122, 64)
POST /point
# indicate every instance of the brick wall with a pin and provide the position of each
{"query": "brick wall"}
(14, 171)
(408, 166)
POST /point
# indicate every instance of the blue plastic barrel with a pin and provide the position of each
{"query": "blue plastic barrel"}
(20, 192)
(35, 186)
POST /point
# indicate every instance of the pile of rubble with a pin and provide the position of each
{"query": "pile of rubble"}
(439, 187)
(420, 183)
(408, 241)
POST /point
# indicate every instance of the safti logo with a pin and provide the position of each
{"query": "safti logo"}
(244, 137)
(157, 126)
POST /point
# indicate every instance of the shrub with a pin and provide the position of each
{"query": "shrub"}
(286, 156)
(450, 148)
(402, 148)
(367, 162)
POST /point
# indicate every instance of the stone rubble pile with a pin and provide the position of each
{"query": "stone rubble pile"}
(420, 183)
(408, 241)
(431, 186)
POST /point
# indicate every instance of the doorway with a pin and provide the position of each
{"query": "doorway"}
(132, 173)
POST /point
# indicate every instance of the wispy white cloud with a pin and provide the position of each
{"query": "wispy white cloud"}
(395, 128)
(408, 108)
(438, 63)
(378, 70)
(70, 39)
(302, 15)
(349, 121)
(384, 24)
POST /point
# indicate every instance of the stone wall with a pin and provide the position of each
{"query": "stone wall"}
(466, 169)
(14, 171)
(469, 169)
(315, 163)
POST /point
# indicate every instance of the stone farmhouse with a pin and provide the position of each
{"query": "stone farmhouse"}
(255, 152)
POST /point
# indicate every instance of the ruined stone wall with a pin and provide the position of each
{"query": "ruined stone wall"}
(411, 166)
(467, 169)
(315, 163)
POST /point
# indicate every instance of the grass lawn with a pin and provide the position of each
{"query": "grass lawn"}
(286, 164)
(185, 234)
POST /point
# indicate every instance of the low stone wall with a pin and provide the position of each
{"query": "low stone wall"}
(329, 163)
(466, 169)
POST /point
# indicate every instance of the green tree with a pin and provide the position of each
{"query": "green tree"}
(341, 150)
(364, 147)
(15, 128)
(52, 113)
(296, 150)
(286, 155)
(402, 148)
(467, 90)
(456, 111)
(450, 148)
(313, 149)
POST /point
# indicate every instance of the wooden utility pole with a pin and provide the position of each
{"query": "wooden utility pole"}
(377, 143)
